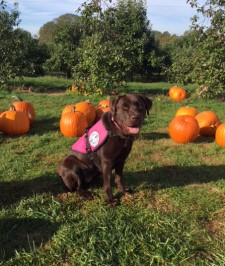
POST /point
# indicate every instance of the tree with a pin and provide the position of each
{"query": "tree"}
(48, 30)
(65, 40)
(101, 64)
(20, 53)
(8, 45)
(209, 70)
(117, 44)
(135, 36)
(164, 38)
(183, 52)
(30, 54)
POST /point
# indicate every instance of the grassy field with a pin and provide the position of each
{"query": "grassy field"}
(40, 84)
(174, 217)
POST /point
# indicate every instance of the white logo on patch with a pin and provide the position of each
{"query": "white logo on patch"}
(94, 138)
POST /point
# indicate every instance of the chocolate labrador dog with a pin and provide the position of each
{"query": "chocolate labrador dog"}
(105, 146)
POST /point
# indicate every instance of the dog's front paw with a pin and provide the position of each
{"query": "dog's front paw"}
(128, 190)
(112, 202)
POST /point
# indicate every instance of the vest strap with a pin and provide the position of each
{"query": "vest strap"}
(88, 146)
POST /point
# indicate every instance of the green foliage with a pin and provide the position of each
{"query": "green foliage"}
(117, 45)
(65, 40)
(8, 44)
(30, 54)
(47, 31)
(101, 65)
(20, 53)
(209, 70)
(199, 55)
(164, 37)
(40, 84)
(183, 51)
(107, 45)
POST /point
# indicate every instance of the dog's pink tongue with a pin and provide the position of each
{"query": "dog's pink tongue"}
(134, 130)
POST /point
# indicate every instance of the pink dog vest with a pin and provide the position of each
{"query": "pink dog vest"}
(92, 140)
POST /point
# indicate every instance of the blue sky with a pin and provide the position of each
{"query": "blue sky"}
(165, 15)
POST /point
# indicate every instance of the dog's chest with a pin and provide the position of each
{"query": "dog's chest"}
(117, 148)
(113, 152)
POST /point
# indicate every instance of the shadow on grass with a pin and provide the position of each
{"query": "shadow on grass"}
(202, 139)
(3, 138)
(24, 234)
(154, 136)
(155, 179)
(39, 127)
(158, 135)
(145, 90)
(175, 176)
(12, 192)
(44, 126)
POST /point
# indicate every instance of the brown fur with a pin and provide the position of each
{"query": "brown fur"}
(77, 169)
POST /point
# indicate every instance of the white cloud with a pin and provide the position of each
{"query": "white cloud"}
(164, 15)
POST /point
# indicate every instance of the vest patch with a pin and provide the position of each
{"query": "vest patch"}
(91, 140)
(94, 139)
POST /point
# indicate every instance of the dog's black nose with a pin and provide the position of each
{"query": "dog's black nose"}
(134, 118)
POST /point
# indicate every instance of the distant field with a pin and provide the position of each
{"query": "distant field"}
(51, 84)
(41, 84)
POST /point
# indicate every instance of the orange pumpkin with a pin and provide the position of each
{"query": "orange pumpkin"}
(184, 129)
(88, 110)
(68, 108)
(14, 122)
(25, 107)
(186, 110)
(220, 135)
(73, 124)
(103, 107)
(0, 122)
(177, 93)
(208, 122)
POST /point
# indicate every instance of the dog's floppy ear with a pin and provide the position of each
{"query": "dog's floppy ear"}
(113, 103)
(147, 102)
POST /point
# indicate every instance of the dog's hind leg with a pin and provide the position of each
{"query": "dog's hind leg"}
(75, 182)
(70, 181)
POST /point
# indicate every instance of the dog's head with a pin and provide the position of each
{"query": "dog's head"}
(128, 112)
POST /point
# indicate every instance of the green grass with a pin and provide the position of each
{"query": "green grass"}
(174, 217)
(51, 84)
(160, 88)
(40, 84)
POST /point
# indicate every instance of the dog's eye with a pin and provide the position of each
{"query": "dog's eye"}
(125, 107)
(139, 106)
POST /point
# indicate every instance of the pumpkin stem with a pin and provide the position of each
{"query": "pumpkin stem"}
(17, 98)
(73, 109)
(12, 108)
